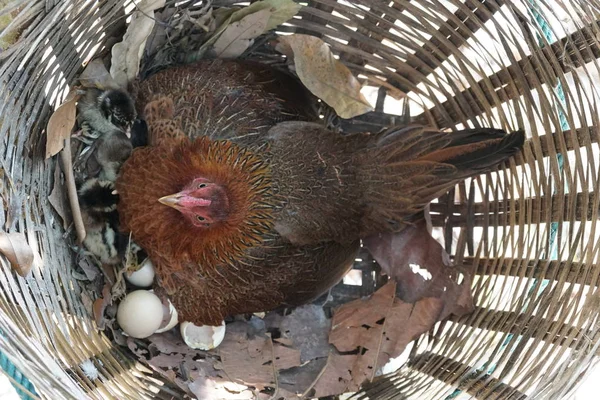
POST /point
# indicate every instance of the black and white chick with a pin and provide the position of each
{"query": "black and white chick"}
(98, 202)
(106, 117)
(104, 110)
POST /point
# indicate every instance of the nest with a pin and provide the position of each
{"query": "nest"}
(527, 233)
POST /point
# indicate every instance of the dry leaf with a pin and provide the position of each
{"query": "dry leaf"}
(420, 266)
(239, 35)
(96, 75)
(100, 305)
(90, 270)
(170, 356)
(280, 11)
(326, 77)
(253, 359)
(11, 36)
(127, 54)
(380, 327)
(61, 124)
(336, 377)
(15, 248)
(58, 198)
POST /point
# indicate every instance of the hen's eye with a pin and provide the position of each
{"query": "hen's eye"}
(199, 218)
(202, 185)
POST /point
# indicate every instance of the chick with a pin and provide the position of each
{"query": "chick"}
(98, 202)
(111, 152)
(106, 116)
(103, 111)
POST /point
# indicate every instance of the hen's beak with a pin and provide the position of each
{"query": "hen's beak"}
(171, 200)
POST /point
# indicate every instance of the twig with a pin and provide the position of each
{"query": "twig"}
(312, 385)
(65, 156)
(275, 374)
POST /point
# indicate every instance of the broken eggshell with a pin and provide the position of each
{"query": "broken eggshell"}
(140, 314)
(204, 337)
(143, 277)
(170, 316)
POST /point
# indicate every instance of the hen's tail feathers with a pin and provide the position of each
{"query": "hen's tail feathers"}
(412, 166)
(479, 151)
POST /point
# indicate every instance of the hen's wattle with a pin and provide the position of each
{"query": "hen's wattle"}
(293, 198)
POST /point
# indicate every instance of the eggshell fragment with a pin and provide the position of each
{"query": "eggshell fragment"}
(140, 314)
(170, 316)
(204, 337)
(143, 277)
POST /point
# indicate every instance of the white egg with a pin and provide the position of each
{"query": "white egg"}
(204, 337)
(143, 277)
(140, 314)
(170, 317)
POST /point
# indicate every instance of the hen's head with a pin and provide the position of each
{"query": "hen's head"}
(201, 202)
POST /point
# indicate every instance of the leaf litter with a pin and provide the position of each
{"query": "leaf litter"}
(16, 249)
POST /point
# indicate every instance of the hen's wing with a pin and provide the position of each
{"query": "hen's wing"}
(345, 187)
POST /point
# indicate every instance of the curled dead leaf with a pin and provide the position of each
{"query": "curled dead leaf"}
(61, 124)
(96, 75)
(18, 252)
(280, 11)
(421, 267)
(126, 55)
(100, 305)
(239, 35)
(57, 198)
(326, 77)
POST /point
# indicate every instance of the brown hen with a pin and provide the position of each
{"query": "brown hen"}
(244, 205)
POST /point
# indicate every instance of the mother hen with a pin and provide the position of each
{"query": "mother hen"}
(244, 204)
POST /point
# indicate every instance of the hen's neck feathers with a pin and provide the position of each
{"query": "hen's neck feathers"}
(245, 176)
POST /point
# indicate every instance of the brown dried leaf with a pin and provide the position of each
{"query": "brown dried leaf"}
(15, 248)
(420, 266)
(326, 77)
(336, 377)
(171, 357)
(96, 75)
(239, 35)
(100, 305)
(380, 328)
(253, 359)
(60, 124)
(58, 199)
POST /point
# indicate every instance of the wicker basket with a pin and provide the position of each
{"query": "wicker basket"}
(528, 232)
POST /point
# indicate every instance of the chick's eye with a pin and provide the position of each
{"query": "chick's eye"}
(199, 218)
(202, 185)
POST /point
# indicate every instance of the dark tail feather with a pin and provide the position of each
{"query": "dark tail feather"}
(410, 167)
(476, 152)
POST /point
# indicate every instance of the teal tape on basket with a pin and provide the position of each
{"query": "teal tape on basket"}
(18, 377)
(552, 245)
